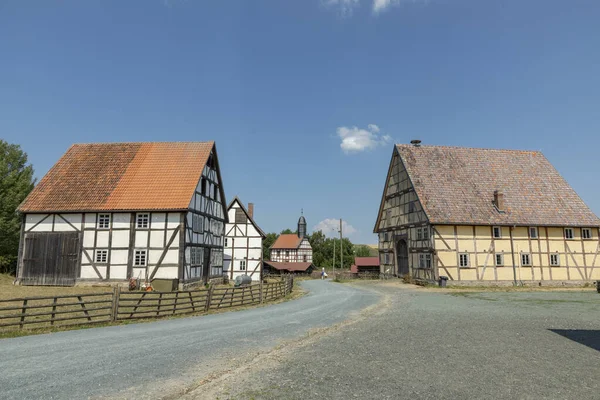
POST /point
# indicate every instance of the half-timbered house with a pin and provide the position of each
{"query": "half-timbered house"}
(483, 215)
(292, 247)
(114, 211)
(243, 242)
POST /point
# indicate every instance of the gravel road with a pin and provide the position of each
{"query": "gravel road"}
(432, 345)
(158, 359)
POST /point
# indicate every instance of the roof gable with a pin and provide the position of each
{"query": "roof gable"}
(121, 176)
(456, 186)
(237, 201)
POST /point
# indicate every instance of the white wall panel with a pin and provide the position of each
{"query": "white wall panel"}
(87, 272)
(255, 242)
(174, 220)
(32, 219)
(90, 220)
(102, 239)
(141, 239)
(118, 272)
(158, 220)
(254, 253)
(88, 238)
(240, 254)
(157, 239)
(118, 257)
(120, 239)
(167, 273)
(172, 257)
(121, 220)
(153, 257)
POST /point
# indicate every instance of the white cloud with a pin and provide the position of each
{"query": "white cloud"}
(346, 7)
(331, 226)
(356, 139)
(381, 5)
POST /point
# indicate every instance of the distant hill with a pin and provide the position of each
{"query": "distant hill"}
(373, 248)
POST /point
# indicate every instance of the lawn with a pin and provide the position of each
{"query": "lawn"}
(10, 291)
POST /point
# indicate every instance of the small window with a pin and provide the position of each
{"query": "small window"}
(526, 259)
(103, 221)
(586, 233)
(426, 233)
(499, 260)
(533, 233)
(101, 256)
(463, 260)
(203, 183)
(305, 258)
(385, 237)
(242, 265)
(419, 234)
(424, 260)
(142, 221)
(287, 253)
(240, 216)
(215, 191)
(140, 258)
(386, 258)
(278, 253)
(554, 260)
(568, 233)
(226, 242)
(497, 232)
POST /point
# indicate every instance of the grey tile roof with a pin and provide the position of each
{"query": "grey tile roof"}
(456, 186)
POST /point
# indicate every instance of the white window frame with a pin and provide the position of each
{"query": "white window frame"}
(142, 221)
(554, 263)
(569, 234)
(499, 230)
(103, 221)
(533, 235)
(424, 260)
(464, 257)
(101, 256)
(425, 233)
(501, 259)
(139, 256)
(587, 235)
(419, 234)
(243, 265)
(526, 260)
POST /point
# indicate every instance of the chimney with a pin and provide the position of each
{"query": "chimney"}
(416, 142)
(251, 210)
(499, 200)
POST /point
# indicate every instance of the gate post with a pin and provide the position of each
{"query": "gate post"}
(115, 302)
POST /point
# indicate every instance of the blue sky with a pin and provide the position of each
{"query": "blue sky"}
(280, 84)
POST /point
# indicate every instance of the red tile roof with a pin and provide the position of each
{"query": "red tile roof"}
(456, 185)
(366, 261)
(121, 176)
(287, 241)
(289, 266)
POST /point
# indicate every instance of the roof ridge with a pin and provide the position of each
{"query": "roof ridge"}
(147, 142)
(407, 145)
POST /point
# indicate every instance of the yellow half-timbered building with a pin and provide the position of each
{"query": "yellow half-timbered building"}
(479, 215)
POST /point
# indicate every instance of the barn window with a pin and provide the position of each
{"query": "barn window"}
(533, 233)
(142, 221)
(140, 258)
(101, 256)
(499, 260)
(463, 260)
(497, 232)
(226, 242)
(554, 260)
(586, 233)
(240, 216)
(526, 259)
(568, 233)
(103, 221)
(242, 265)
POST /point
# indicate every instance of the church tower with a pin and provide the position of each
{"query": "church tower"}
(302, 226)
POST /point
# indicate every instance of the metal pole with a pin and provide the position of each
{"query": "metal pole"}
(341, 247)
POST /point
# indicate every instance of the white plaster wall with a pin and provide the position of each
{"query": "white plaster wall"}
(121, 220)
(120, 239)
(158, 220)
(255, 242)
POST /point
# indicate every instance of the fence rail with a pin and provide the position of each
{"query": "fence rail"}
(81, 309)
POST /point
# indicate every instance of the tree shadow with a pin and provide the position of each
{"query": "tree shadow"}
(587, 337)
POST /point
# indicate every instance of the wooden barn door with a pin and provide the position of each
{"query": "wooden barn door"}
(206, 265)
(50, 258)
(402, 255)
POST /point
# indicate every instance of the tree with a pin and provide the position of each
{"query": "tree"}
(362, 251)
(16, 181)
(287, 232)
(267, 243)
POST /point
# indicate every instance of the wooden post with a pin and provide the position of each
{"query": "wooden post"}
(260, 292)
(115, 302)
(23, 312)
(208, 298)
(176, 298)
(53, 311)
(192, 301)
(159, 303)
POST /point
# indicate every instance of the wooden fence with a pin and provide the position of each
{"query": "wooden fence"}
(38, 312)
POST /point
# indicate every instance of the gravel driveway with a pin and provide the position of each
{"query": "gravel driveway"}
(158, 359)
(428, 344)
